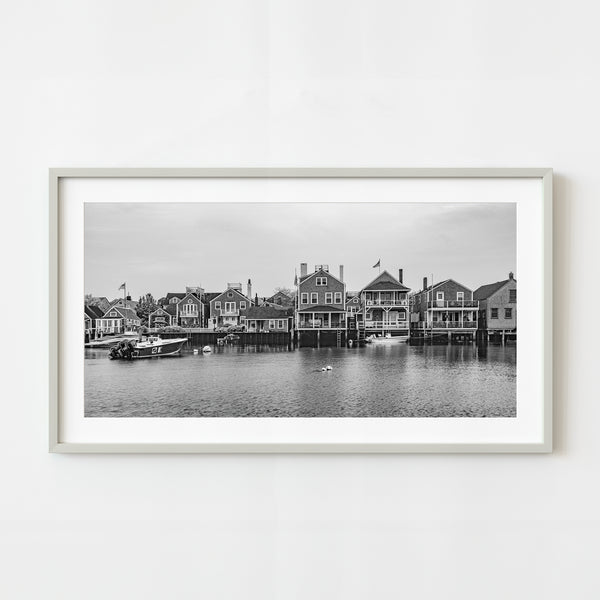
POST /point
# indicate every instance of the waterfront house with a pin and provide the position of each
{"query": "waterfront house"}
(384, 305)
(444, 307)
(230, 307)
(91, 314)
(498, 308)
(185, 309)
(118, 319)
(269, 319)
(352, 303)
(321, 303)
(161, 317)
(190, 311)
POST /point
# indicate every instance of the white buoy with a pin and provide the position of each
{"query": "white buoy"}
(207, 349)
(329, 367)
(195, 350)
(323, 369)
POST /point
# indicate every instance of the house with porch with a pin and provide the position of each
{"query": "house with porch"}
(444, 308)
(230, 307)
(321, 305)
(385, 306)
(269, 319)
(190, 311)
(498, 309)
(184, 309)
(118, 319)
(91, 314)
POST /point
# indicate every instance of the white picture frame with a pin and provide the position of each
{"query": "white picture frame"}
(535, 437)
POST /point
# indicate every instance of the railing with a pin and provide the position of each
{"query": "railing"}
(386, 302)
(386, 324)
(227, 313)
(448, 325)
(453, 304)
(317, 325)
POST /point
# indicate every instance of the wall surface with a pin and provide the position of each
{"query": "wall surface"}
(298, 83)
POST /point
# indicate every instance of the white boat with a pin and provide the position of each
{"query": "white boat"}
(388, 338)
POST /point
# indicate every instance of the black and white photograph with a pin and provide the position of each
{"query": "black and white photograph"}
(300, 310)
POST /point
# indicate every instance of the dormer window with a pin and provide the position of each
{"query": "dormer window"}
(174, 300)
(321, 280)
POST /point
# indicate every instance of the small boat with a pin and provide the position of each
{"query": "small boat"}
(151, 347)
(388, 338)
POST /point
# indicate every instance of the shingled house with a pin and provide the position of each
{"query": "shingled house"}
(498, 309)
(321, 305)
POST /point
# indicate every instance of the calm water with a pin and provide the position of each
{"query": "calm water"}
(376, 381)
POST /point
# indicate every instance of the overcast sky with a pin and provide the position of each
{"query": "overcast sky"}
(162, 247)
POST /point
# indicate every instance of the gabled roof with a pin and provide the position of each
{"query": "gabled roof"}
(429, 287)
(320, 273)
(267, 312)
(193, 295)
(485, 291)
(321, 308)
(235, 292)
(178, 295)
(385, 281)
(126, 313)
(93, 312)
(129, 304)
(160, 309)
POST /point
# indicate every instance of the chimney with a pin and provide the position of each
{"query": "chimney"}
(424, 283)
(511, 275)
(303, 269)
(400, 275)
(249, 294)
(341, 272)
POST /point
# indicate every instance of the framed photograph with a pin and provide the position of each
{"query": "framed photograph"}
(300, 310)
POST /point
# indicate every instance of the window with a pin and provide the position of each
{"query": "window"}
(512, 295)
(271, 324)
(328, 298)
(460, 296)
(314, 298)
(303, 298)
(230, 294)
(242, 304)
(190, 308)
(494, 313)
(321, 280)
(113, 314)
(338, 298)
(218, 305)
(280, 324)
(229, 307)
(173, 300)
(439, 295)
(508, 313)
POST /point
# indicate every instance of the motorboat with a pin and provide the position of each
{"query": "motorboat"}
(388, 338)
(151, 347)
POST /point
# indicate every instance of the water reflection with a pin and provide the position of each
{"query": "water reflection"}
(259, 381)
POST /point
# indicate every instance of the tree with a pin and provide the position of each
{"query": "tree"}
(146, 305)
(285, 290)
